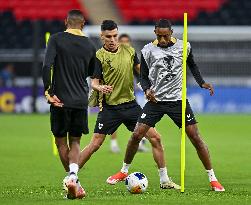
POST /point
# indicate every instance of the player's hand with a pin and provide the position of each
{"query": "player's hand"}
(150, 95)
(55, 101)
(209, 87)
(105, 89)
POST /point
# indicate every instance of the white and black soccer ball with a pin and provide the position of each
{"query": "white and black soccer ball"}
(136, 183)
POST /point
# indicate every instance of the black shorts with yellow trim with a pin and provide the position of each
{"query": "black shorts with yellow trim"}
(153, 112)
(71, 121)
(111, 117)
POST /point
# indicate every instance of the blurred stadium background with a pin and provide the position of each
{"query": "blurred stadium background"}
(219, 31)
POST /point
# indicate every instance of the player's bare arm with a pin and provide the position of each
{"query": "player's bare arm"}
(101, 88)
(137, 68)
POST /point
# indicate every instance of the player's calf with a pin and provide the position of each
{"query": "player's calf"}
(136, 136)
(133, 143)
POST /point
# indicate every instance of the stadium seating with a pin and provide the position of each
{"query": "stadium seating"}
(152, 10)
(201, 12)
(16, 15)
(42, 9)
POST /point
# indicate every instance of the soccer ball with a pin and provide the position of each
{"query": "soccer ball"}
(136, 183)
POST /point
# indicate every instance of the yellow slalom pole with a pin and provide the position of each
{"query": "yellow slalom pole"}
(54, 147)
(47, 36)
(184, 88)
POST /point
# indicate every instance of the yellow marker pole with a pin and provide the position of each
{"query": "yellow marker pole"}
(54, 147)
(47, 36)
(183, 132)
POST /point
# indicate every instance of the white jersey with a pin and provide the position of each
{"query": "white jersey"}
(165, 70)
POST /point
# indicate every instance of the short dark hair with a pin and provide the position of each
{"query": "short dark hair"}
(124, 35)
(108, 25)
(75, 17)
(163, 23)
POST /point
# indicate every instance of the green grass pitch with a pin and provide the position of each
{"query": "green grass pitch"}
(30, 174)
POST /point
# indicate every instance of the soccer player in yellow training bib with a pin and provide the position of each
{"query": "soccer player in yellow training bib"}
(115, 65)
(126, 39)
(161, 80)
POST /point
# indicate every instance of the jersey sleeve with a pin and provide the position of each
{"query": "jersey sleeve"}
(48, 63)
(144, 72)
(92, 64)
(135, 60)
(97, 73)
(194, 69)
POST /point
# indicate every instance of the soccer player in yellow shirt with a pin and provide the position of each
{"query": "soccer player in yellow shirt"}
(126, 39)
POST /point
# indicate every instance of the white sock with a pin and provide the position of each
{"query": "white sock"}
(73, 168)
(141, 143)
(211, 175)
(125, 168)
(114, 143)
(163, 175)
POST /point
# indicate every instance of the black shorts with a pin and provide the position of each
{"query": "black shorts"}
(69, 121)
(111, 117)
(153, 112)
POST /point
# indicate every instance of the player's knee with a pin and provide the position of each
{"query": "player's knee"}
(193, 135)
(156, 142)
(198, 142)
(156, 136)
(137, 136)
(74, 140)
(60, 142)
